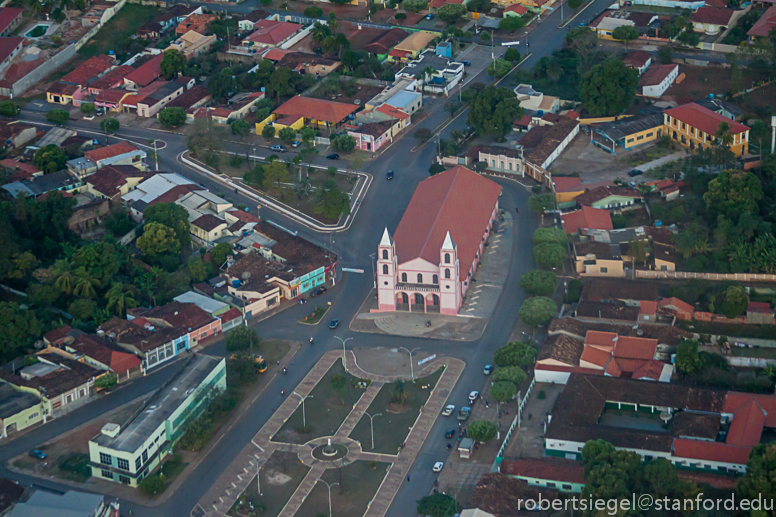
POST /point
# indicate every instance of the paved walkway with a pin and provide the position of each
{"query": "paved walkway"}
(217, 501)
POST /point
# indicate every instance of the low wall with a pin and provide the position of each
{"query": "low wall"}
(686, 275)
(750, 362)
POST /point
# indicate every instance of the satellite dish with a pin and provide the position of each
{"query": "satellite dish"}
(38, 344)
(665, 416)
(69, 340)
(246, 275)
(640, 332)
(357, 101)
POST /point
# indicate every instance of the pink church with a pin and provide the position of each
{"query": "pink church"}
(434, 252)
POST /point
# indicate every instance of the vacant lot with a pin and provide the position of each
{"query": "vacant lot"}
(115, 34)
(358, 483)
(392, 427)
(332, 401)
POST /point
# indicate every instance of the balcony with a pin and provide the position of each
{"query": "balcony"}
(426, 288)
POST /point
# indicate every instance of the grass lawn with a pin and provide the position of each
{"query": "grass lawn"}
(273, 350)
(392, 428)
(173, 467)
(326, 412)
(279, 478)
(315, 317)
(74, 467)
(114, 34)
(358, 483)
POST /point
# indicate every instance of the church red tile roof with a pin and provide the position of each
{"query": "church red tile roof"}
(458, 201)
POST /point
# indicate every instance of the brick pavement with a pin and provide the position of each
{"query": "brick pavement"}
(220, 498)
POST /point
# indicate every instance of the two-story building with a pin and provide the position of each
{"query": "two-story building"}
(127, 454)
(155, 344)
(696, 127)
(122, 153)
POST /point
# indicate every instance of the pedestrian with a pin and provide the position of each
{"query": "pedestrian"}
(408, 478)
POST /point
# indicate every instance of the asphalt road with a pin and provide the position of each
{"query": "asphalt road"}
(382, 207)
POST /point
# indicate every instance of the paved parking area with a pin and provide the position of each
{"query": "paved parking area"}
(528, 441)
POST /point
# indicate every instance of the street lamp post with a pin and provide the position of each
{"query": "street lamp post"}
(329, 487)
(258, 475)
(344, 359)
(372, 425)
(302, 399)
(374, 274)
(412, 368)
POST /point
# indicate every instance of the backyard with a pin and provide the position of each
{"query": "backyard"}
(115, 35)
(392, 427)
(333, 399)
(279, 479)
(358, 483)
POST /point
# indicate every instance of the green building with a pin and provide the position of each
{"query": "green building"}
(19, 409)
(127, 454)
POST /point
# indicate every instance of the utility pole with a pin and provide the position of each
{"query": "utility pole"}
(374, 274)
(156, 156)
(344, 359)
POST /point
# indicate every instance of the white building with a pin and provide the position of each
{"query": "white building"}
(657, 79)
(445, 76)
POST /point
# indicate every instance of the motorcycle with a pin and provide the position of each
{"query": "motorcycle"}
(311, 341)
(283, 393)
(428, 323)
(285, 370)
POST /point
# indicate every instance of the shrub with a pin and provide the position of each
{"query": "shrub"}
(152, 485)
(172, 117)
(87, 108)
(401, 16)
(268, 132)
(313, 12)
(58, 116)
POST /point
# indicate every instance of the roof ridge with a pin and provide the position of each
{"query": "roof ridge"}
(441, 208)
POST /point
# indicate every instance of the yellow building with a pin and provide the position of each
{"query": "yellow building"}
(298, 112)
(19, 409)
(694, 126)
(628, 133)
(411, 46)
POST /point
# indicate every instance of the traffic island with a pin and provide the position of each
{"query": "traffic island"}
(316, 316)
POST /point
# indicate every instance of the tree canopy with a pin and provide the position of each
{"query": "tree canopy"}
(609, 88)
(687, 360)
(110, 125)
(172, 117)
(556, 235)
(450, 13)
(158, 239)
(502, 391)
(733, 192)
(511, 23)
(513, 374)
(735, 302)
(540, 203)
(625, 33)
(537, 311)
(343, 143)
(538, 283)
(414, 6)
(172, 216)
(332, 202)
(173, 61)
(242, 338)
(493, 110)
(438, 505)
(515, 353)
(481, 431)
(50, 158)
(549, 254)
(58, 116)
(499, 67)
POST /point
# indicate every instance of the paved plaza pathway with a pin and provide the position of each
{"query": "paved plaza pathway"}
(235, 479)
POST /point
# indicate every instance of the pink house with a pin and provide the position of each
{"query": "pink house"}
(436, 248)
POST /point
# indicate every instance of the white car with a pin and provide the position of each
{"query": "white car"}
(473, 396)
(438, 466)
(449, 409)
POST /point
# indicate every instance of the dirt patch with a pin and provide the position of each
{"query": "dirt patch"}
(761, 101)
(396, 408)
(277, 478)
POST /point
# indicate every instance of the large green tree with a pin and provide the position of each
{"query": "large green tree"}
(556, 235)
(172, 117)
(515, 353)
(502, 391)
(537, 311)
(609, 88)
(58, 116)
(760, 478)
(110, 125)
(19, 328)
(172, 216)
(438, 505)
(493, 110)
(331, 201)
(450, 13)
(735, 301)
(625, 34)
(158, 240)
(481, 431)
(539, 283)
(173, 61)
(499, 67)
(242, 338)
(549, 254)
(414, 6)
(734, 192)
(687, 360)
(513, 374)
(50, 158)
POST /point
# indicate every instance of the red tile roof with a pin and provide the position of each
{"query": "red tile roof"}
(243, 216)
(600, 339)
(319, 109)
(735, 400)
(551, 469)
(272, 32)
(26, 169)
(595, 356)
(586, 217)
(747, 425)
(582, 187)
(458, 201)
(230, 315)
(89, 69)
(761, 307)
(676, 302)
(386, 41)
(516, 8)
(8, 15)
(704, 119)
(649, 370)
(765, 24)
(656, 74)
(110, 151)
(113, 78)
(711, 451)
(118, 361)
(175, 193)
(573, 115)
(628, 347)
(276, 54)
(401, 54)
(647, 307)
(636, 58)
(55, 335)
(7, 46)
(148, 72)
(184, 316)
(562, 183)
(712, 16)
(391, 111)
(112, 96)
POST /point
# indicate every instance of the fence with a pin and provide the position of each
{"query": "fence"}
(129, 237)
(515, 423)
(687, 275)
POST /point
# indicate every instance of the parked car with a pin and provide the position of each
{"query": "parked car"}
(464, 413)
(488, 369)
(296, 143)
(317, 291)
(449, 433)
(429, 16)
(635, 172)
(438, 466)
(333, 156)
(473, 396)
(389, 175)
(38, 454)
(466, 63)
(278, 148)
(448, 410)
(334, 323)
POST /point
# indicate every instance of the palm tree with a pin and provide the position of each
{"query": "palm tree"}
(120, 299)
(724, 139)
(332, 22)
(320, 31)
(64, 282)
(84, 288)
(423, 75)
(65, 5)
